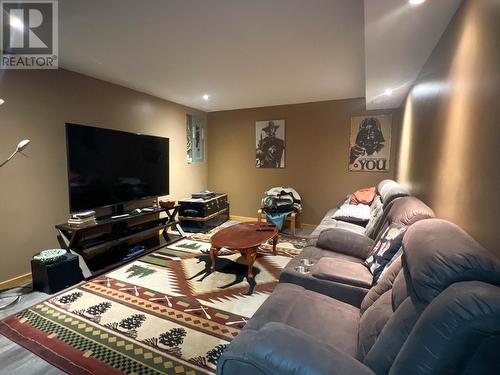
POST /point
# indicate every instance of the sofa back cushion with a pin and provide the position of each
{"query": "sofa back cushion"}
(385, 185)
(393, 193)
(436, 254)
(405, 211)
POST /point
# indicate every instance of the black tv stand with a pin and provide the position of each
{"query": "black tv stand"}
(102, 246)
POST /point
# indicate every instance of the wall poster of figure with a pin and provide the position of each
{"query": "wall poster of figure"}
(370, 144)
(195, 142)
(270, 144)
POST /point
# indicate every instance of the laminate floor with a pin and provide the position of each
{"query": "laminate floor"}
(14, 359)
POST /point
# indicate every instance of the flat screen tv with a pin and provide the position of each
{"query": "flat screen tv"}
(109, 167)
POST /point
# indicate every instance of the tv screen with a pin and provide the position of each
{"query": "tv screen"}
(109, 167)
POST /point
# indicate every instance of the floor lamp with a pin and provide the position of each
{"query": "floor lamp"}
(20, 147)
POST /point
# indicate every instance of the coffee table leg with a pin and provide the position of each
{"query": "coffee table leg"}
(213, 256)
(275, 242)
(251, 255)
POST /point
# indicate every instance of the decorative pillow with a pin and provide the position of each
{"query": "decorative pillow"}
(353, 213)
(385, 249)
(363, 196)
(394, 258)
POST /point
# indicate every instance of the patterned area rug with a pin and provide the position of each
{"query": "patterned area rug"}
(164, 313)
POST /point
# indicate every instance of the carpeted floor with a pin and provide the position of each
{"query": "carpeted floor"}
(164, 313)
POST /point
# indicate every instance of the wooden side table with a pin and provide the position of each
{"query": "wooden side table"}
(293, 218)
(244, 237)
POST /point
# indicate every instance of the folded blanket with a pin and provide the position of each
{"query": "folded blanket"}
(277, 218)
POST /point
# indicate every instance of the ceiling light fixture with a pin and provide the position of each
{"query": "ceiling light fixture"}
(2, 101)
(205, 97)
(416, 2)
(388, 92)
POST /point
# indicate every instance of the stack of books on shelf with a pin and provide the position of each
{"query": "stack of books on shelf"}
(82, 219)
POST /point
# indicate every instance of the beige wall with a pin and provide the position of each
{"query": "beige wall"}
(33, 190)
(317, 142)
(451, 125)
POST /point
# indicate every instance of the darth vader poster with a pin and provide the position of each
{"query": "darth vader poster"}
(370, 144)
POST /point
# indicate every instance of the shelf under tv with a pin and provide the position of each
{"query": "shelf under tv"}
(102, 246)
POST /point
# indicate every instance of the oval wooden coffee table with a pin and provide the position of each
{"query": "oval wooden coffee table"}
(244, 237)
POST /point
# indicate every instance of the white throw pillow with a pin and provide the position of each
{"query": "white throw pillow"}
(354, 213)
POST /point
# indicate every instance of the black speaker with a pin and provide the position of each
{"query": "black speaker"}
(52, 278)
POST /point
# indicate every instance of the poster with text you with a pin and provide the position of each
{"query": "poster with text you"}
(370, 143)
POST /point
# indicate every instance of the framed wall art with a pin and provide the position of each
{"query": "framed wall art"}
(370, 143)
(195, 142)
(270, 144)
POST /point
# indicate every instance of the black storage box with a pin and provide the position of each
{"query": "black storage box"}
(203, 215)
(52, 278)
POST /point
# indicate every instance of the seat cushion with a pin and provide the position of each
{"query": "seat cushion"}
(343, 292)
(342, 271)
(328, 320)
(315, 254)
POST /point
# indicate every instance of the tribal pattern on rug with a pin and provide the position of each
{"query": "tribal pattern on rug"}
(163, 313)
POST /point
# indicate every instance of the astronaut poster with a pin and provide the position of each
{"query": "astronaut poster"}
(270, 144)
(370, 144)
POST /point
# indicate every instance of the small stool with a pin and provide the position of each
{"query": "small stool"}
(293, 218)
(54, 277)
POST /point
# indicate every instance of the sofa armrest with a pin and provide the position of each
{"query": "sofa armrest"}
(346, 242)
(281, 349)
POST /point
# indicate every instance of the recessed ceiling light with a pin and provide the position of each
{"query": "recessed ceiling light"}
(2, 101)
(416, 2)
(16, 23)
(206, 97)
(388, 92)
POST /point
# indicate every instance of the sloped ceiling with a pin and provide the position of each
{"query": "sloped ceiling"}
(252, 53)
(399, 39)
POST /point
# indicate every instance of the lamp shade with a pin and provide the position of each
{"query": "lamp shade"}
(23, 144)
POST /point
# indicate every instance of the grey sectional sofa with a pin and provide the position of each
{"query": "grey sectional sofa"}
(435, 311)
(387, 192)
(339, 254)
